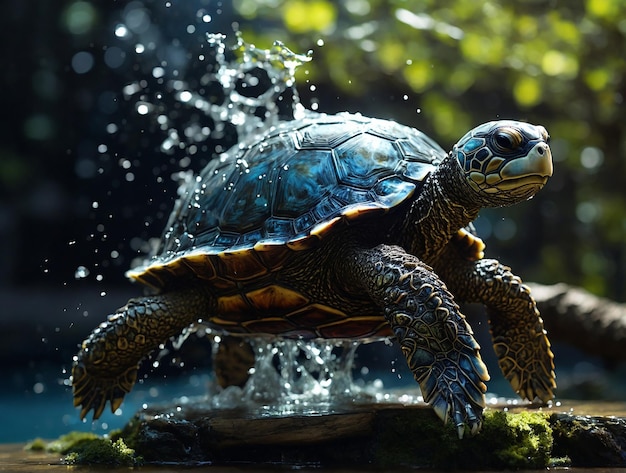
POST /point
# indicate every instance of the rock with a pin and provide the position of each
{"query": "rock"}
(374, 434)
(590, 441)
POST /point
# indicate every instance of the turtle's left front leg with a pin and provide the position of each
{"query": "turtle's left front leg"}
(519, 338)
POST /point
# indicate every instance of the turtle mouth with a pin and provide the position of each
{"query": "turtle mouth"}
(522, 188)
(534, 181)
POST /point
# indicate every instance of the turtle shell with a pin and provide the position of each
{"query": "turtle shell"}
(286, 189)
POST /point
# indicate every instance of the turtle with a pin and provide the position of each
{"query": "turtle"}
(348, 227)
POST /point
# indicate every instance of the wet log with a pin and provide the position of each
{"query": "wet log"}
(590, 323)
(380, 435)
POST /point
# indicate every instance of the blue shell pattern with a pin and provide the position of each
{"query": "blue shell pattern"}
(301, 175)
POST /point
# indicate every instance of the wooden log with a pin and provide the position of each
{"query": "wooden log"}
(590, 323)
(382, 435)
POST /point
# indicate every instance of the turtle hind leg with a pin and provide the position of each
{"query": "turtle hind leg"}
(105, 369)
(434, 336)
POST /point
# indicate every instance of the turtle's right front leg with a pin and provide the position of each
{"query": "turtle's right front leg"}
(434, 336)
(105, 369)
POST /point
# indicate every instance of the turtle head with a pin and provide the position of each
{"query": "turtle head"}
(505, 161)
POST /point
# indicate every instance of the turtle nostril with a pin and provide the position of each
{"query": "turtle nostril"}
(541, 150)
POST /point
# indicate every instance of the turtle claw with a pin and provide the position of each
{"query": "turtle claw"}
(528, 366)
(92, 393)
(464, 416)
(455, 394)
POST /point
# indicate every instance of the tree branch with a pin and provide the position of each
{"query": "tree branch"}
(593, 324)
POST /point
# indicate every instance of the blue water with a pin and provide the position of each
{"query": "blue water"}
(40, 405)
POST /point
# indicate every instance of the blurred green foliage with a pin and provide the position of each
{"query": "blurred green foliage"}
(446, 66)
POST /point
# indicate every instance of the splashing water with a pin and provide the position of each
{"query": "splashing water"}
(244, 86)
(295, 376)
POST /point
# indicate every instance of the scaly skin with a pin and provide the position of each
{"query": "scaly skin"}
(433, 334)
(436, 215)
(519, 338)
(106, 367)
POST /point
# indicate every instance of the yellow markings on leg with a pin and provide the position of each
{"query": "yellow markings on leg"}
(471, 246)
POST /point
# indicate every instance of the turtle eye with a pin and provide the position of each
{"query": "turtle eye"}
(507, 139)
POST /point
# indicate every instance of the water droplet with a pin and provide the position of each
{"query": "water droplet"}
(143, 108)
(81, 272)
(121, 31)
(185, 96)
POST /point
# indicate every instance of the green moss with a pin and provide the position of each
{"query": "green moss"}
(560, 462)
(516, 440)
(36, 445)
(414, 438)
(86, 448)
(103, 451)
(68, 442)
(506, 441)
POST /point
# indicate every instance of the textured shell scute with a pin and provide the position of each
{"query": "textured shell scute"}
(365, 159)
(393, 191)
(296, 183)
(308, 175)
(328, 135)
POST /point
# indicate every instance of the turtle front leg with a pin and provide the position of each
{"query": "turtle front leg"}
(105, 369)
(435, 338)
(520, 340)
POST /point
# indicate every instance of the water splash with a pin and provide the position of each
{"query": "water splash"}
(292, 376)
(301, 371)
(244, 86)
